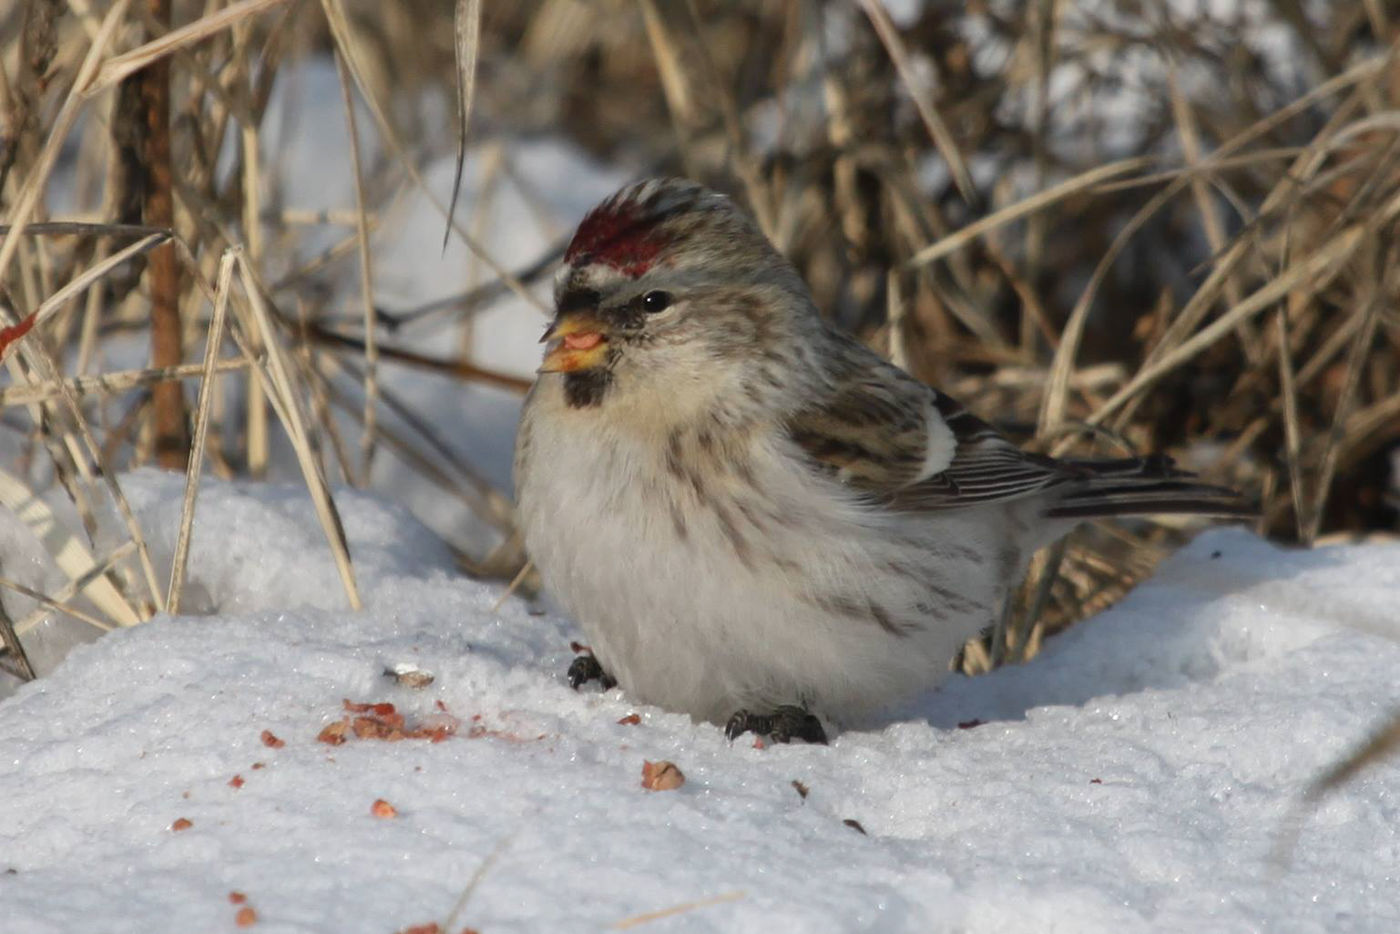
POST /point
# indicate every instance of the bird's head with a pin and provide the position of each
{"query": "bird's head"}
(670, 296)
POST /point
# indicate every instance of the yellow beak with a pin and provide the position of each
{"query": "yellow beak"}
(576, 341)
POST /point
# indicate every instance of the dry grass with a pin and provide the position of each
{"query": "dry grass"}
(1107, 231)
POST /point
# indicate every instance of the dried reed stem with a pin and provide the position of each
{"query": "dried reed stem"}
(172, 438)
(201, 431)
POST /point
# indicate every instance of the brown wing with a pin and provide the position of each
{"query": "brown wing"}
(985, 467)
(882, 431)
(909, 446)
(874, 431)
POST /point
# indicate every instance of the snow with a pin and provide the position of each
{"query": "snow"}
(1135, 776)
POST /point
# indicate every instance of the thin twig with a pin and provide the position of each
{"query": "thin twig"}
(371, 347)
(201, 429)
(109, 383)
(933, 122)
(277, 375)
(626, 924)
(119, 67)
(466, 34)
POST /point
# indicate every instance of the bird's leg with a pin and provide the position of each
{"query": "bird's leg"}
(783, 725)
(587, 668)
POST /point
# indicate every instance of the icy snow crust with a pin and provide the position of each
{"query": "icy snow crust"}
(1133, 777)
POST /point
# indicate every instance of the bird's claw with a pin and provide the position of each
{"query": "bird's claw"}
(587, 668)
(783, 725)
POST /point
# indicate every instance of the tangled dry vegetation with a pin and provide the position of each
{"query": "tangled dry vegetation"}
(1109, 226)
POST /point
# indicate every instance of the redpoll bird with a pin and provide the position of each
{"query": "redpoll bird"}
(755, 519)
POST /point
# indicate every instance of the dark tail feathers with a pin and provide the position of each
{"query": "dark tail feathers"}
(1143, 486)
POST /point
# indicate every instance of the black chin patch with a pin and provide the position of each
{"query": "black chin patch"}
(585, 388)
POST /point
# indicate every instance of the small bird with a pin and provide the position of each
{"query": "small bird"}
(755, 519)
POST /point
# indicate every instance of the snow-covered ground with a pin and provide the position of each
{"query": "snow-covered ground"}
(1135, 776)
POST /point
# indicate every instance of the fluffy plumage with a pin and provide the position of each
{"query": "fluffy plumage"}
(746, 509)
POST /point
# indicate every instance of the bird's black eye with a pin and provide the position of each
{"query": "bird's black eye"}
(652, 302)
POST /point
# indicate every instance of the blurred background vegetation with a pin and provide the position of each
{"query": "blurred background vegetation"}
(1112, 226)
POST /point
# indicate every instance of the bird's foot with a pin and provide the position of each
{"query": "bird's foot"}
(783, 725)
(587, 668)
